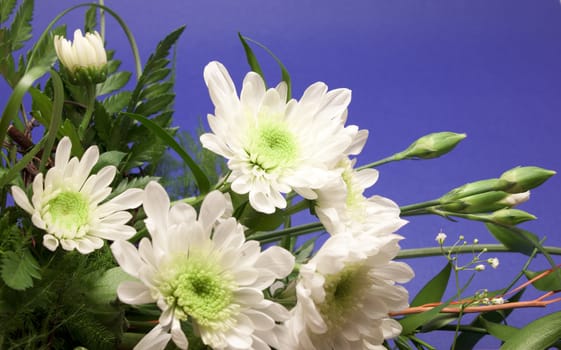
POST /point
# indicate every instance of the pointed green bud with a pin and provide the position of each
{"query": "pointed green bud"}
(432, 145)
(478, 203)
(526, 178)
(474, 188)
(510, 217)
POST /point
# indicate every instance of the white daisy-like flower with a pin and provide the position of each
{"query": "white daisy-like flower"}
(346, 292)
(342, 207)
(274, 146)
(201, 269)
(68, 203)
(85, 57)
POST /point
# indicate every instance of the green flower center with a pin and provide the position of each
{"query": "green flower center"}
(344, 292)
(69, 211)
(201, 291)
(272, 146)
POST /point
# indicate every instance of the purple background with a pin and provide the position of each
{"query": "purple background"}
(490, 69)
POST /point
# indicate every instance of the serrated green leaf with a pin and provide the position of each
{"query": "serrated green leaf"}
(68, 129)
(152, 78)
(125, 184)
(156, 90)
(433, 291)
(539, 334)
(20, 30)
(513, 238)
(19, 269)
(6, 9)
(113, 158)
(551, 282)
(45, 50)
(155, 105)
(114, 82)
(117, 102)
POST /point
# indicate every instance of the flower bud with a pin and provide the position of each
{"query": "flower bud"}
(440, 238)
(473, 188)
(494, 262)
(515, 199)
(432, 145)
(480, 267)
(85, 59)
(526, 178)
(510, 217)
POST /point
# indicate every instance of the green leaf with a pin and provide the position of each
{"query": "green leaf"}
(498, 330)
(19, 269)
(257, 221)
(200, 177)
(156, 90)
(6, 9)
(125, 184)
(518, 240)
(113, 158)
(45, 49)
(539, 334)
(90, 20)
(41, 105)
(438, 322)
(105, 289)
(433, 291)
(551, 282)
(305, 250)
(14, 171)
(20, 30)
(117, 102)
(250, 56)
(155, 105)
(68, 129)
(114, 82)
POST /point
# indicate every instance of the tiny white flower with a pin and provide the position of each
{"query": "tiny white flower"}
(84, 58)
(441, 237)
(346, 292)
(498, 301)
(200, 269)
(68, 203)
(479, 267)
(274, 146)
(494, 262)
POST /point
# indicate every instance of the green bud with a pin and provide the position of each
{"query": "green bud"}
(510, 217)
(478, 203)
(473, 188)
(526, 178)
(432, 145)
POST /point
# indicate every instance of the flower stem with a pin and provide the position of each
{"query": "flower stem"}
(435, 251)
(377, 163)
(265, 237)
(90, 96)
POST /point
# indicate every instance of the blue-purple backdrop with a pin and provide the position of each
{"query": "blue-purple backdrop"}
(491, 69)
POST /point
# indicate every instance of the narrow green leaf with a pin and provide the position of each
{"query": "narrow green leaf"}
(250, 56)
(433, 291)
(305, 250)
(412, 322)
(539, 334)
(20, 30)
(90, 20)
(19, 269)
(14, 171)
(201, 179)
(41, 105)
(499, 330)
(284, 72)
(6, 9)
(515, 239)
(551, 282)
(56, 118)
(45, 49)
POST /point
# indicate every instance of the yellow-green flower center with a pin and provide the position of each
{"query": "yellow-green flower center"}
(69, 211)
(272, 146)
(344, 292)
(199, 290)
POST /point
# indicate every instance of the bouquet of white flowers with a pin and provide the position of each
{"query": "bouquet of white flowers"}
(103, 245)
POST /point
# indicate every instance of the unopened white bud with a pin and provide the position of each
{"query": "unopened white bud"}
(494, 262)
(480, 267)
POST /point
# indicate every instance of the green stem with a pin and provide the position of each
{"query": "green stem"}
(102, 20)
(377, 163)
(265, 237)
(90, 96)
(435, 251)
(407, 209)
(298, 207)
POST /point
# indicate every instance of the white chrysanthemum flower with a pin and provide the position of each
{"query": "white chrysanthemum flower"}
(273, 146)
(85, 57)
(345, 293)
(201, 269)
(67, 203)
(342, 207)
